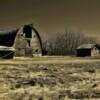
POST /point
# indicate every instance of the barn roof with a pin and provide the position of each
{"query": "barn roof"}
(7, 37)
(88, 46)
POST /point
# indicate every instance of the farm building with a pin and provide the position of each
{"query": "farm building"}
(88, 50)
(24, 41)
(28, 42)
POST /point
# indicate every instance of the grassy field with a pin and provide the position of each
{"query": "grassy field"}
(50, 78)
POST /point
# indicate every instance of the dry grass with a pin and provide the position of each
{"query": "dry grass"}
(50, 78)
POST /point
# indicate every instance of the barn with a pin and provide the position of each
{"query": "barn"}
(28, 42)
(88, 50)
(23, 41)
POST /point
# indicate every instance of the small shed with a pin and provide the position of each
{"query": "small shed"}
(88, 50)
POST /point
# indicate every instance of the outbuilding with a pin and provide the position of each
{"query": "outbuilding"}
(88, 50)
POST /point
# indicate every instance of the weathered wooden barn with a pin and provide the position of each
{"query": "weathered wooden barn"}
(88, 50)
(28, 42)
(24, 41)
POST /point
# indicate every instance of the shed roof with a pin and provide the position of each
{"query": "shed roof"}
(88, 46)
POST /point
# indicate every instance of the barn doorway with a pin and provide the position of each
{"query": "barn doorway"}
(27, 30)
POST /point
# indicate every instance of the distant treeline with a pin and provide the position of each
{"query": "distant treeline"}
(66, 43)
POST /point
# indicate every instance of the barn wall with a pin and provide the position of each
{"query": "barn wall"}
(95, 51)
(35, 44)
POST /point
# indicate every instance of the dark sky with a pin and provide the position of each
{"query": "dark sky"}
(50, 16)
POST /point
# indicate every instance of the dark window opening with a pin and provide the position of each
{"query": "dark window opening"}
(27, 30)
(36, 50)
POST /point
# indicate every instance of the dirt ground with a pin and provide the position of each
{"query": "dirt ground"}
(50, 78)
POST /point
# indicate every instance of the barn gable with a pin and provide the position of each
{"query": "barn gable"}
(28, 42)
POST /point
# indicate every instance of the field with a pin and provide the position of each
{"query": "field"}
(50, 78)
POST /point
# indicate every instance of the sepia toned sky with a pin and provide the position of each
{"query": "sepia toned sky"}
(50, 16)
